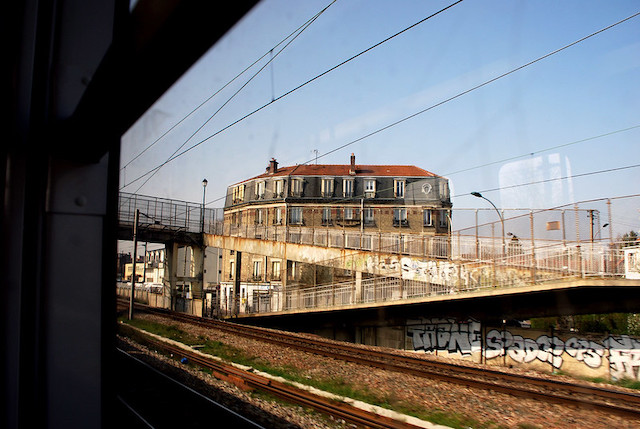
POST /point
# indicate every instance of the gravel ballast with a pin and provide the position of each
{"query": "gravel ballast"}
(485, 408)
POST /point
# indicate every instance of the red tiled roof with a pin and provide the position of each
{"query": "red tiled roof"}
(343, 170)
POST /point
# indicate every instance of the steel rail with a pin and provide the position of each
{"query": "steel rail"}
(433, 369)
(251, 381)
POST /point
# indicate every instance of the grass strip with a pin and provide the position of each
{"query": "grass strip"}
(336, 385)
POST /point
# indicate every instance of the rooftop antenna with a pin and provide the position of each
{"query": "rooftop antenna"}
(316, 152)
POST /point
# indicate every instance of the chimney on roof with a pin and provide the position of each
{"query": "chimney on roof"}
(273, 166)
(352, 168)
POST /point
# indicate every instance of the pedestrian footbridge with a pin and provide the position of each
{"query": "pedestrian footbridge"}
(387, 267)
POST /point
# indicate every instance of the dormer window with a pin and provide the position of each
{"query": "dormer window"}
(398, 188)
(260, 186)
(279, 189)
(347, 187)
(238, 194)
(296, 187)
(443, 190)
(370, 188)
(326, 187)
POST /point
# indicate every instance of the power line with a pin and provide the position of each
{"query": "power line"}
(543, 150)
(421, 111)
(500, 161)
(270, 52)
(290, 92)
(609, 170)
(393, 124)
(497, 162)
(229, 99)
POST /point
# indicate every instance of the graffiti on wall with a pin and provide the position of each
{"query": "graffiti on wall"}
(446, 334)
(465, 338)
(624, 357)
(436, 272)
(383, 266)
(544, 348)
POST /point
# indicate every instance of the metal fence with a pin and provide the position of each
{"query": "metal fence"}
(512, 271)
(511, 248)
(174, 214)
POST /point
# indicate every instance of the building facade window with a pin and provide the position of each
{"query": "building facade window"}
(349, 213)
(257, 270)
(398, 188)
(236, 218)
(260, 187)
(427, 217)
(400, 217)
(443, 189)
(238, 194)
(277, 216)
(232, 271)
(275, 270)
(295, 215)
(370, 188)
(347, 187)
(259, 216)
(279, 188)
(326, 215)
(326, 187)
(296, 187)
(368, 216)
(442, 218)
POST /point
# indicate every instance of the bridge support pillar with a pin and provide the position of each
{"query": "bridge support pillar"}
(282, 303)
(236, 284)
(171, 270)
(184, 264)
(196, 271)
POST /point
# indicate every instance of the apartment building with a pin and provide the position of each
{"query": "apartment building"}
(349, 197)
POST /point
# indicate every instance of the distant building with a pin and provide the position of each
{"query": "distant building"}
(349, 197)
(153, 270)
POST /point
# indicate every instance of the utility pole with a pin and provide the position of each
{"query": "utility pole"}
(133, 264)
(144, 266)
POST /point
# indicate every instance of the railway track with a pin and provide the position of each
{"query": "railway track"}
(555, 391)
(250, 381)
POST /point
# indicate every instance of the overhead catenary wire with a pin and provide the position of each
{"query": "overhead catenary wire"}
(450, 99)
(233, 96)
(537, 182)
(464, 170)
(406, 118)
(276, 99)
(587, 139)
(269, 52)
(610, 170)
(474, 88)
(508, 159)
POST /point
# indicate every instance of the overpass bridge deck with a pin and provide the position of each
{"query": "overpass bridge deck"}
(392, 266)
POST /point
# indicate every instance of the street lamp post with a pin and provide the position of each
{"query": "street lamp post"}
(204, 247)
(204, 193)
(479, 195)
(133, 265)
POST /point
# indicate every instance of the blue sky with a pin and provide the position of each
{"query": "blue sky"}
(588, 90)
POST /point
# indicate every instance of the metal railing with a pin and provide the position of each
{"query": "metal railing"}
(173, 214)
(539, 246)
